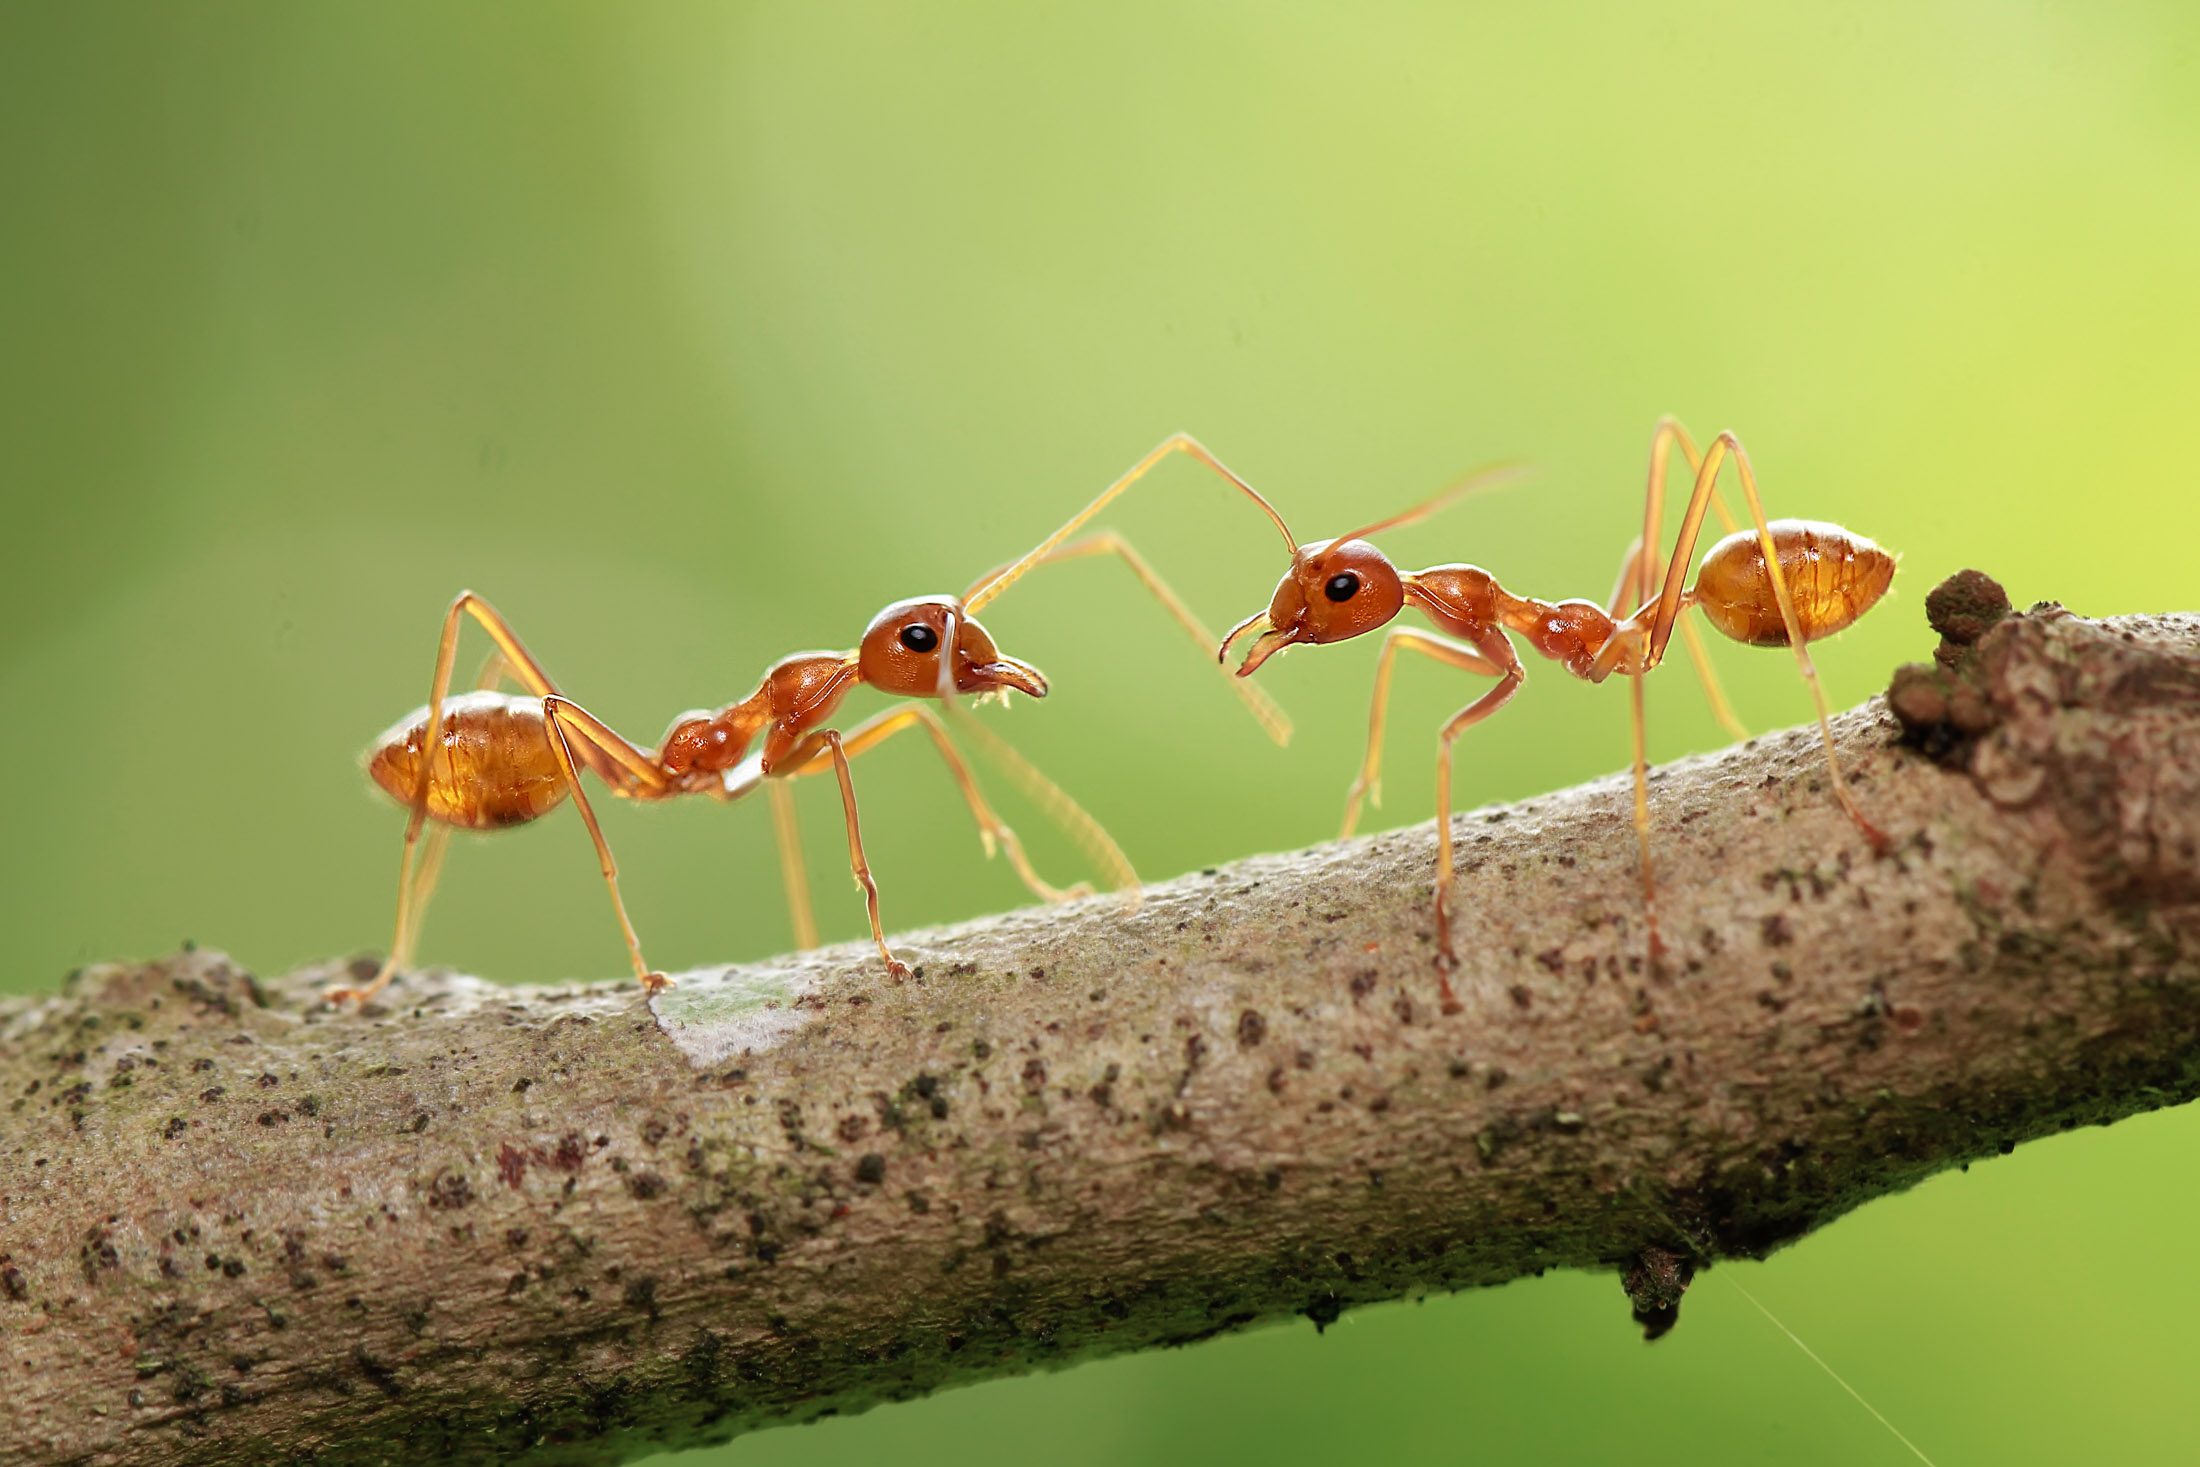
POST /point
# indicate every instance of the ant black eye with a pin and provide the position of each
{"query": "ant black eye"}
(1342, 586)
(918, 637)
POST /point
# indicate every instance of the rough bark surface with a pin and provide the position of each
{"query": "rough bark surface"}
(552, 1225)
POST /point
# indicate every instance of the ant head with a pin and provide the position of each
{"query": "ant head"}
(1335, 589)
(901, 653)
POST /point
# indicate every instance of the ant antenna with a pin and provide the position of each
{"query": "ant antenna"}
(1175, 443)
(1490, 476)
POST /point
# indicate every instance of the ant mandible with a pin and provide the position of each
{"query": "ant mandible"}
(1783, 583)
(502, 760)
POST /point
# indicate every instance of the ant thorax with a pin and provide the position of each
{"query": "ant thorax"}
(1467, 602)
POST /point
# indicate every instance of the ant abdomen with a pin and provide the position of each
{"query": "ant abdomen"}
(1833, 575)
(495, 768)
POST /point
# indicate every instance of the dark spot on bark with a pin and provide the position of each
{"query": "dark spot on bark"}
(1775, 930)
(450, 1190)
(642, 1294)
(420, 1123)
(654, 1131)
(979, 1048)
(1363, 983)
(1035, 1074)
(211, 1094)
(1251, 1029)
(176, 1126)
(1520, 995)
(188, 1385)
(233, 1268)
(267, 1081)
(511, 1164)
(871, 1168)
(378, 1374)
(647, 1186)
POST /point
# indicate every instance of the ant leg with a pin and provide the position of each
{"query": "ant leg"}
(1271, 718)
(556, 711)
(1699, 657)
(1669, 435)
(1067, 815)
(511, 658)
(1638, 729)
(1447, 958)
(418, 872)
(992, 830)
(1627, 591)
(1670, 606)
(1444, 650)
(895, 967)
(793, 873)
(433, 846)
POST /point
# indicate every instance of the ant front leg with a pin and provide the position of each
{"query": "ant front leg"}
(1444, 650)
(814, 749)
(1499, 650)
(895, 967)
(993, 832)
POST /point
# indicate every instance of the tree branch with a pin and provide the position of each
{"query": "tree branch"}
(546, 1225)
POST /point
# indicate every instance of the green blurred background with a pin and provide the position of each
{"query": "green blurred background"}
(692, 334)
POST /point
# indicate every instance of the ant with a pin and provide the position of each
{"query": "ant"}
(1783, 583)
(502, 760)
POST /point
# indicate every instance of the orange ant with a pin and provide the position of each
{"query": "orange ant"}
(502, 760)
(1785, 583)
